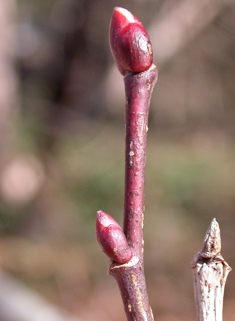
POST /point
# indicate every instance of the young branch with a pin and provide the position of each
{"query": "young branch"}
(210, 272)
(138, 89)
(132, 52)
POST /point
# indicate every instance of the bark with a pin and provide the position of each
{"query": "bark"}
(130, 277)
(138, 88)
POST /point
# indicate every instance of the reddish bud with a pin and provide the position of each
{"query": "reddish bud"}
(129, 42)
(111, 238)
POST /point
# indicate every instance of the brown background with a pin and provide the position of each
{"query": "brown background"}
(62, 149)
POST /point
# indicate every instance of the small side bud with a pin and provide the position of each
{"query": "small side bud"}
(111, 238)
(129, 42)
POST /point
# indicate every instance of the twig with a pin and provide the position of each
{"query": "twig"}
(210, 272)
(132, 52)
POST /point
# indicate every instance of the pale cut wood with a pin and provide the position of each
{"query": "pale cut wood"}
(210, 272)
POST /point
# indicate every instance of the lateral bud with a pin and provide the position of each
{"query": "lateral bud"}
(111, 239)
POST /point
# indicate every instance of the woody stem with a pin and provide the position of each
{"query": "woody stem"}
(130, 276)
(138, 89)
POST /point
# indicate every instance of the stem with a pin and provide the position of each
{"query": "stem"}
(131, 281)
(132, 52)
(210, 272)
(130, 277)
(138, 89)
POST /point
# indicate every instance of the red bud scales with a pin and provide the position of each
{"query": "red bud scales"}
(129, 42)
(111, 238)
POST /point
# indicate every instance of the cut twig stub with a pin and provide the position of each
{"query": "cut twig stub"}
(210, 272)
(212, 241)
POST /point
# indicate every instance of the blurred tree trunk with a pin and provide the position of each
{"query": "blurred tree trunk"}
(8, 79)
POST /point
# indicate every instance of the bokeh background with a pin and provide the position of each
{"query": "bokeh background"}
(62, 150)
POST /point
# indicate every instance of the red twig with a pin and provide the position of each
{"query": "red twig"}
(132, 53)
(138, 92)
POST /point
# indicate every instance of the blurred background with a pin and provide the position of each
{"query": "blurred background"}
(62, 152)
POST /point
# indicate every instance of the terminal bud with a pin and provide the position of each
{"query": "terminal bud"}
(129, 42)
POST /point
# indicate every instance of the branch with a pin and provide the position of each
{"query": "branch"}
(132, 52)
(210, 272)
(18, 302)
(176, 25)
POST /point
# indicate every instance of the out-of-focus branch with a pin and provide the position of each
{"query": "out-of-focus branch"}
(8, 93)
(8, 78)
(176, 25)
(17, 302)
